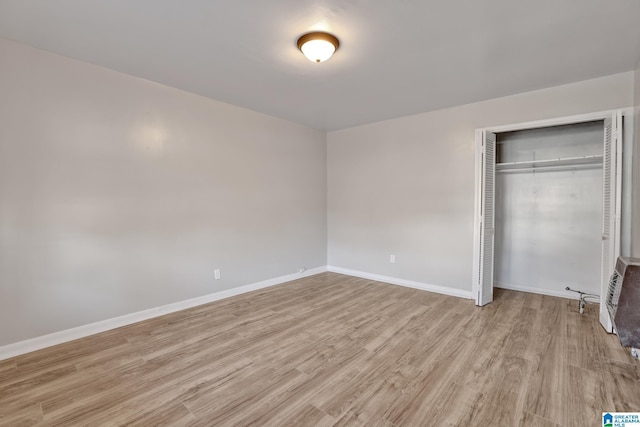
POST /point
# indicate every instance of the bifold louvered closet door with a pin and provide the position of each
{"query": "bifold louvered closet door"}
(611, 205)
(487, 219)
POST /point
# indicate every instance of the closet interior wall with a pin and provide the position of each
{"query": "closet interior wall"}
(549, 208)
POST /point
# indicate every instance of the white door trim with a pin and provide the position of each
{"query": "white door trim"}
(558, 121)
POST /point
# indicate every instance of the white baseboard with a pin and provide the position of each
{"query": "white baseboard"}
(402, 282)
(549, 292)
(38, 343)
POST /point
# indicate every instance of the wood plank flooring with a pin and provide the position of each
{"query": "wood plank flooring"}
(333, 350)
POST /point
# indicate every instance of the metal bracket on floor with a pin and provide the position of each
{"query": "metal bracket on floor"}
(585, 298)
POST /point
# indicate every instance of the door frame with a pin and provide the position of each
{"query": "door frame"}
(567, 120)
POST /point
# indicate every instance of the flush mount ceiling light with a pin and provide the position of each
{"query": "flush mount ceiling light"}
(318, 46)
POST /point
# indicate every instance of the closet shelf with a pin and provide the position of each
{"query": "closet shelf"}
(568, 162)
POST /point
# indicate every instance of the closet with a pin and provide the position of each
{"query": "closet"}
(547, 206)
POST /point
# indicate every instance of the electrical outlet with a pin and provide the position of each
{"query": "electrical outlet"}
(302, 270)
(216, 273)
(392, 259)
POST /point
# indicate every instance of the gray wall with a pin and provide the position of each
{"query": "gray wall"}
(118, 194)
(406, 186)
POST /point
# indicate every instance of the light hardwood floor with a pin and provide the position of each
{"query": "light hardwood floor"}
(334, 350)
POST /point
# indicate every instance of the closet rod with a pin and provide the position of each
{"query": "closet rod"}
(550, 168)
(567, 161)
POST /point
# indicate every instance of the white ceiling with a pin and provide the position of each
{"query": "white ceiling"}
(397, 57)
